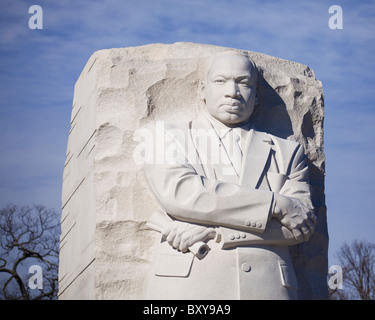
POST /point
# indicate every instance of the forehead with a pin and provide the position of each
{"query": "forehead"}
(230, 65)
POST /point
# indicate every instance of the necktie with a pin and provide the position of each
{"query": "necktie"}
(232, 144)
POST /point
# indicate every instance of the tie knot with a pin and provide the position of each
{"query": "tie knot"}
(236, 135)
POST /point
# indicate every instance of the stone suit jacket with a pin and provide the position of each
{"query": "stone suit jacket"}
(193, 184)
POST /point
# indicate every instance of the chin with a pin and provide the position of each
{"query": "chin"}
(231, 119)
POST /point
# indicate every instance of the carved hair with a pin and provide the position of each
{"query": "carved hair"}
(233, 52)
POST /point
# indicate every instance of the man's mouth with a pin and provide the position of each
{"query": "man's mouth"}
(232, 106)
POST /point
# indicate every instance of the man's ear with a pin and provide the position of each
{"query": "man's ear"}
(202, 94)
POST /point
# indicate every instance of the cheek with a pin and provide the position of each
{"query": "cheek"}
(249, 101)
(211, 97)
(247, 94)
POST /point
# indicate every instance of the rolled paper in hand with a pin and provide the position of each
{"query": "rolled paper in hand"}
(199, 249)
(160, 220)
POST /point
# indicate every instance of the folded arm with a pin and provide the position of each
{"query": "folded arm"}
(189, 197)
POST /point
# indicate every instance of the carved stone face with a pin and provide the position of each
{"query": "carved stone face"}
(230, 89)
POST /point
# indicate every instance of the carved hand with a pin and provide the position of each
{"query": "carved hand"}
(182, 235)
(295, 216)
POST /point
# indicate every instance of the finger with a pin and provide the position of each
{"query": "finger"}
(166, 232)
(170, 237)
(313, 217)
(311, 225)
(200, 234)
(176, 241)
(306, 233)
(191, 237)
(185, 242)
(210, 233)
(297, 235)
(183, 247)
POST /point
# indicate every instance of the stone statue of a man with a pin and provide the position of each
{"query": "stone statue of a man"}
(242, 196)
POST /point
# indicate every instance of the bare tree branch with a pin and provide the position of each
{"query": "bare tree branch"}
(28, 236)
(358, 265)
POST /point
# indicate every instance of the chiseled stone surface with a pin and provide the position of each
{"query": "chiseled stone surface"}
(106, 248)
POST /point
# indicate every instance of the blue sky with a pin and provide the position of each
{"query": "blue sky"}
(38, 70)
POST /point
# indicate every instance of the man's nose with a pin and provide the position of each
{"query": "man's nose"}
(232, 90)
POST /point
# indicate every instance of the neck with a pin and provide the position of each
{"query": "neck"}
(244, 124)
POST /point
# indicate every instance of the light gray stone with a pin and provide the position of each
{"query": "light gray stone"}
(106, 247)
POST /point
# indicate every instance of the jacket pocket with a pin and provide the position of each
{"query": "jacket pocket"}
(172, 263)
(288, 276)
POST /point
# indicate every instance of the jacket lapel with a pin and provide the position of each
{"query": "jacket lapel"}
(256, 154)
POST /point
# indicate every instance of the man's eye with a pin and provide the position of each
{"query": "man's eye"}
(219, 81)
(245, 83)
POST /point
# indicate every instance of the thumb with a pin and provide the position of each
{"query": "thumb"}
(297, 235)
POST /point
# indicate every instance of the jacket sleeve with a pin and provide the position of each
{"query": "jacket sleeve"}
(275, 234)
(187, 196)
(295, 184)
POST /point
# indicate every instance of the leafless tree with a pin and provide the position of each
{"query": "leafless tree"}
(358, 266)
(29, 236)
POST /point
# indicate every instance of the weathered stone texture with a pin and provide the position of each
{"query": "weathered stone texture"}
(105, 247)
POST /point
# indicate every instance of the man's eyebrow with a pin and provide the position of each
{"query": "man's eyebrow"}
(216, 75)
(245, 76)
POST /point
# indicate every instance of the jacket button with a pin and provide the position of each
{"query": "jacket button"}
(248, 223)
(245, 267)
(259, 225)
